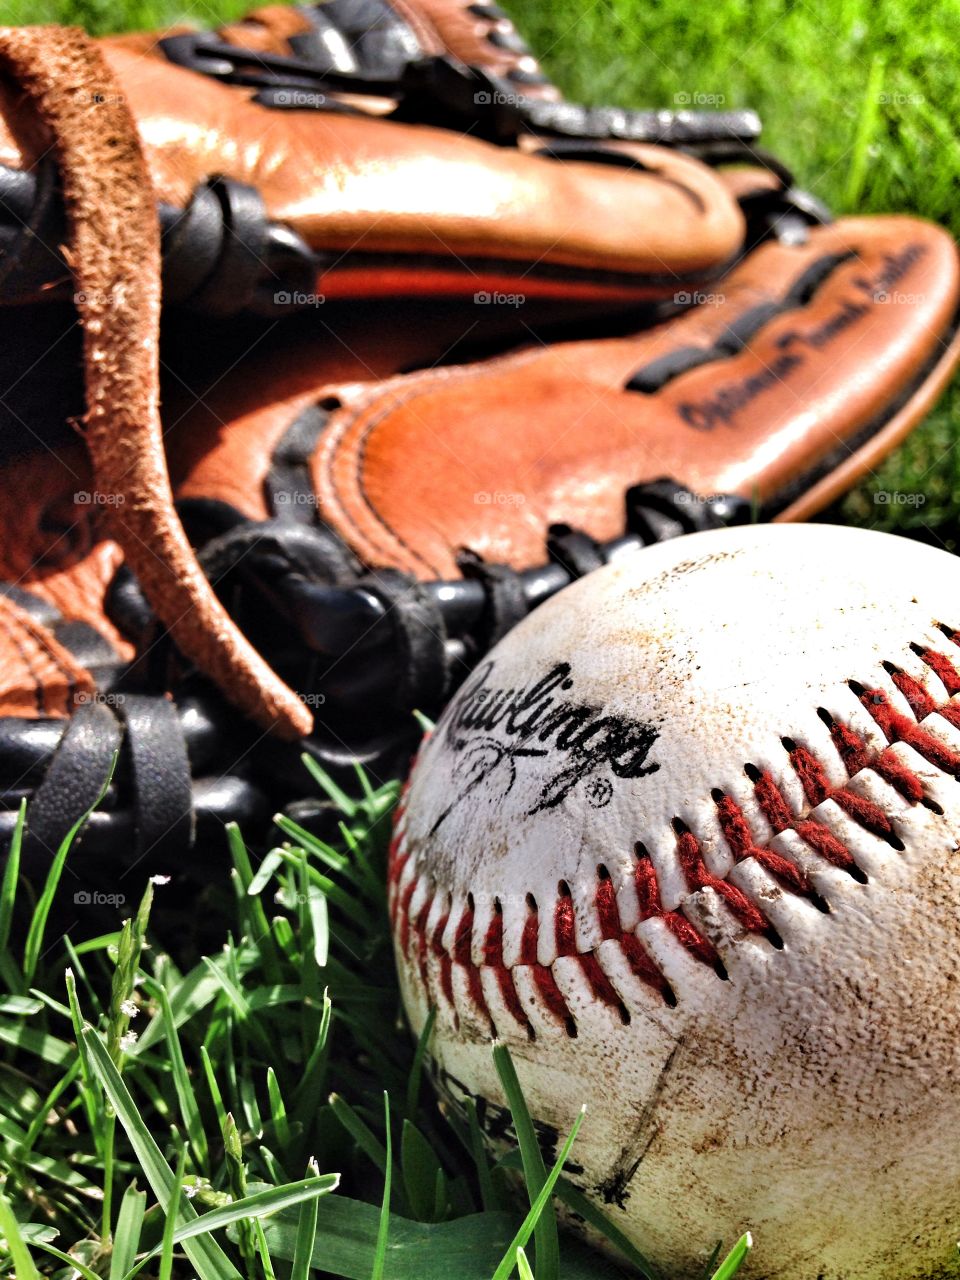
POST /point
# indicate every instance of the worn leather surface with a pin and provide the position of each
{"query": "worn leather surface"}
(474, 216)
(798, 373)
(38, 677)
(53, 536)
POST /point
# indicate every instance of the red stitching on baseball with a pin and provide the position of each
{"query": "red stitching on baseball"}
(855, 756)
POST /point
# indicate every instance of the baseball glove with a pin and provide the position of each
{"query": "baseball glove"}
(258, 197)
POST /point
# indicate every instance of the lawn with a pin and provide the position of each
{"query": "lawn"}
(252, 1045)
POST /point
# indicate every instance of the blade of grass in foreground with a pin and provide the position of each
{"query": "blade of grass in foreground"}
(523, 1267)
(126, 1238)
(306, 1233)
(11, 872)
(23, 1264)
(505, 1269)
(382, 1234)
(545, 1228)
(735, 1259)
(206, 1255)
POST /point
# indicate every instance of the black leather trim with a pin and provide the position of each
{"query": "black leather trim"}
(72, 783)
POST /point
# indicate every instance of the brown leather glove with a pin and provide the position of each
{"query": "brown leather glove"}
(374, 537)
(268, 201)
(463, 66)
(100, 132)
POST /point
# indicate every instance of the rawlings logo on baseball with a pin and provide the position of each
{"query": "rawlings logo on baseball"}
(490, 729)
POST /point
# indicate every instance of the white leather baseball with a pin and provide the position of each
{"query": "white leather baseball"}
(687, 841)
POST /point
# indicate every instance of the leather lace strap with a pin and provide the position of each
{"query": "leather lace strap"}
(115, 255)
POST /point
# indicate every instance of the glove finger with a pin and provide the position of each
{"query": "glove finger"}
(392, 208)
(432, 206)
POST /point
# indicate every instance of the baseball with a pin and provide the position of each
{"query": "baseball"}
(687, 842)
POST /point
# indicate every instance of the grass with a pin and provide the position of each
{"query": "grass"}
(170, 1113)
(228, 1089)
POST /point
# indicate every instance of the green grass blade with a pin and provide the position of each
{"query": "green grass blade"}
(38, 925)
(68, 1259)
(23, 1264)
(36, 1044)
(547, 1243)
(278, 1110)
(528, 1226)
(306, 1234)
(574, 1199)
(215, 1094)
(380, 1257)
(523, 1267)
(866, 128)
(186, 1094)
(126, 1237)
(416, 1068)
(735, 1259)
(208, 1258)
(11, 873)
(360, 1131)
(165, 1269)
(488, 1194)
